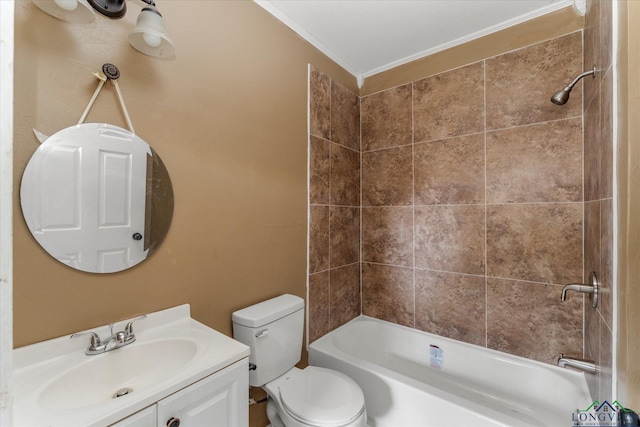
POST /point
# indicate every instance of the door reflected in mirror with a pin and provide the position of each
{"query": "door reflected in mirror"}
(97, 198)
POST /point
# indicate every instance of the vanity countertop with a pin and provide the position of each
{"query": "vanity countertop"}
(57, 384)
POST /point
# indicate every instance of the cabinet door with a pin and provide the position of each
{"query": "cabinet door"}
(220, 400)
(145, 418)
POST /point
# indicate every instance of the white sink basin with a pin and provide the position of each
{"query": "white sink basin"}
(56, 384)
(126, 370)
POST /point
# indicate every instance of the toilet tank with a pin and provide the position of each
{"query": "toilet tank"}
(273, 331)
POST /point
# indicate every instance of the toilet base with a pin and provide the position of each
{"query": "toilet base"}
(272, 414)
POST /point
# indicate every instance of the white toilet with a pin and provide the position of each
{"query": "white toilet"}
(312, 396)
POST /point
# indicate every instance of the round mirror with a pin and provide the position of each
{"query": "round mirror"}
(97, 198)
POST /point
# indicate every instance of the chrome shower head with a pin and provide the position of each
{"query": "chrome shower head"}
(561, 97)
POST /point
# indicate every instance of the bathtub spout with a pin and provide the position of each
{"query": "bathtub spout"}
(579, 364)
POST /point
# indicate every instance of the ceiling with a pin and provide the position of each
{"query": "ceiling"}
(367, 37)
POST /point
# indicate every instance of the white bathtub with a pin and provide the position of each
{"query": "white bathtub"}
(474, 386)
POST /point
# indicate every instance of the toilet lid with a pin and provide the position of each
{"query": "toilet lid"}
(322, 397)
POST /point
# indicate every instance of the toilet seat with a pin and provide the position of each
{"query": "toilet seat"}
(322, 397)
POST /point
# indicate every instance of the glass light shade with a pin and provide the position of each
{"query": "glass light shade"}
(67, 4)
(152, 40)
(74, 11)
(149, 36)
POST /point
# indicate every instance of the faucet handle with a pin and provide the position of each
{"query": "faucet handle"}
(94, 342)
(128, 330)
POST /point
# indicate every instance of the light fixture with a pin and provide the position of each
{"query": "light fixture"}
(110, 8)
(149, 36)
(75, 11)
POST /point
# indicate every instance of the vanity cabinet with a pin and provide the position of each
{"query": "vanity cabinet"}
(146, 418)
(219, 400)
(176, 368)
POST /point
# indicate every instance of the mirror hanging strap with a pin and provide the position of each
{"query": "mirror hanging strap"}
(109, 72)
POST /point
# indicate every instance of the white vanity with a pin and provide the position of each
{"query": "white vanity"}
(176, 372)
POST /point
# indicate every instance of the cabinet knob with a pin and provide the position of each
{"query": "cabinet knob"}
(173, 422)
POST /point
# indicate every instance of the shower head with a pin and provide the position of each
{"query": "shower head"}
(561, 97)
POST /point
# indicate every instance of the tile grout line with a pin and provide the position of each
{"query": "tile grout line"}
(541, 203)
(486, 249)
(458, 273)
(308, 281)
(413, 205)
(585, 104)
(330, 204)
(360, 229)
(483, 132)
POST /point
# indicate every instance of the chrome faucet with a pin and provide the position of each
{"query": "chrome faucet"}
(115, 340)
(580, 364)
(592, 289)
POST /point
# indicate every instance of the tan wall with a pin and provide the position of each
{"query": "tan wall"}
(229, 119)
(628, 176)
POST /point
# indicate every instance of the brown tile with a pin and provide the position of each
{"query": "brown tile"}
(592, 324)
(387, 293)
(529, 320)
(537, 163)
(318, 238)
(592, 252)
(318, 305)
(345, 235)
(345, 176)
(592, 46)
(387, 235)
(521, 83)
(449, 104)
(541, 243)
(344, 294)
(450, 238)
(451, 305)
(591, 328)
(605, 305)
(345, 116)
(319, 104)
(450, 171)
(605, 365)
(606, 34)
(387, 177)
(386, 118)
(319, 170)
(592, 148)
(606, 136)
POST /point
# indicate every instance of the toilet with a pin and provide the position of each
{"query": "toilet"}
(312, 396)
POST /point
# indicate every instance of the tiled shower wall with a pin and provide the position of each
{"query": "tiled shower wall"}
(471, 205)
(598, 206)
(334, 198)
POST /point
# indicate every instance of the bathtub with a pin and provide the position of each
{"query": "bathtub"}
(412, 378)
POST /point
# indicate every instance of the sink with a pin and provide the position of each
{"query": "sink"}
(57, 385)
(123, 371)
